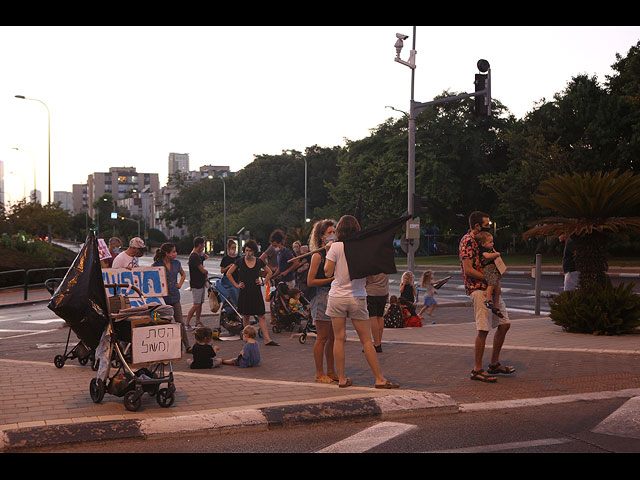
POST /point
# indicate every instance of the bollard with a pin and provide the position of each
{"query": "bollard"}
(538, 281)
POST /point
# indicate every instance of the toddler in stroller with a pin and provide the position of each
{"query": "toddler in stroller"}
(230, 318)
(288, 315)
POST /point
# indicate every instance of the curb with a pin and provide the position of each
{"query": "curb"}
(263, 418)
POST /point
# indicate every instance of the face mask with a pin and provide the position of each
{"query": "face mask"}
(116, 250)
(232, 252)
(276, 249)
(173, 255)
(329, 238)
(248, 254)
(485, 229)
(296, 249)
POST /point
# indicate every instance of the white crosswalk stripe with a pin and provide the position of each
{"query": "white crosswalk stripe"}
(624, 422)
(369, 438)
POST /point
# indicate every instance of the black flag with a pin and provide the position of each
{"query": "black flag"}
(371, 251)
(80, 299)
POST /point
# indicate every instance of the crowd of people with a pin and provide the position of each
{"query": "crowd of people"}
(319, 273)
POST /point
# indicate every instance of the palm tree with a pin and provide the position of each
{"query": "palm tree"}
(590, 208)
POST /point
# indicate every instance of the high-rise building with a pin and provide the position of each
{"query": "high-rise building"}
(65, 199)
(178, 162)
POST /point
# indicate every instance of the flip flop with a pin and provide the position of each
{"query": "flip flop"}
(346, 384)
(388, 385)
(482, 377)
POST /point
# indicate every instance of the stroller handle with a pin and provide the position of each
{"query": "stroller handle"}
(123, 285)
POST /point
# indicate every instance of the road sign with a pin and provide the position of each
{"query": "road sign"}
(409, 245)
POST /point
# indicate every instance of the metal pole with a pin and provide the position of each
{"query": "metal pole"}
(412, 161)
(305, 191)
(224, 202)
(538, 281)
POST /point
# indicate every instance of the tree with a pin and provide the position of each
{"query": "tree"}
(591, 208)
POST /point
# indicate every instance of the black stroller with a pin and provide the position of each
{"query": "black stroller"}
(83, 353)
(81, 300)
(114, 351)
(283, 317)
(230, 318)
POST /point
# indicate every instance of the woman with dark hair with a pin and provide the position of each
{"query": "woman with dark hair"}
(322, 235)
(225, 264)
(166, 256)
(250, 300)
(348, 298)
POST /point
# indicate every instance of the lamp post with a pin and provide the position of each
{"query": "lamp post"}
(48, 137)
(411, 174)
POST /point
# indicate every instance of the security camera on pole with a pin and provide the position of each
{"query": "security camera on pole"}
(482, 108)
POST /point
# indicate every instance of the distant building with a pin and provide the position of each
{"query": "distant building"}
(178, 162)
(35, 196)
(65, 199)
(79, 197)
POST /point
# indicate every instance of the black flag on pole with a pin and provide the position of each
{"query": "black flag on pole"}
(371, 251)
(80, 299)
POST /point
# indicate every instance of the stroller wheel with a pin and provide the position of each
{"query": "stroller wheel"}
(302, 338)
(132, 401)
(58, 361)
(276, 329)
(165, 398)
(83, 361)
(97, 390)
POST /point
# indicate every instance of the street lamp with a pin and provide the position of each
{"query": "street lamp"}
(412, 134)
(48, 136)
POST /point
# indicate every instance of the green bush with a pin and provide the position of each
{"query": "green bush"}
(600, 309)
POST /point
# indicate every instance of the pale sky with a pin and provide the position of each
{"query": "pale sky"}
(128, 96)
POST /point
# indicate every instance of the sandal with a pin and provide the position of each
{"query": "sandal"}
(498, 368)
(346, 384)
(481, 376)
(388, 384)
(323, 379)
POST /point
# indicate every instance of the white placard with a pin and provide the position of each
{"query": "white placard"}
(156, 343)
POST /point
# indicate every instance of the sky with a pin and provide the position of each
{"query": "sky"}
(129, 95)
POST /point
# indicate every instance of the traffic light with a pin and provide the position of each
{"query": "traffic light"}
(420, 205)
(483, 84)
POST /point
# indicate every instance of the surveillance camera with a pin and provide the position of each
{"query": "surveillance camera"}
(401, 36)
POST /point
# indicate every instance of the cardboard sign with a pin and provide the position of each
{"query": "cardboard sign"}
(156, 343)
(151, 281)
(500, 265)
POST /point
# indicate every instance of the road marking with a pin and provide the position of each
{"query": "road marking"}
(624, 422)
(369, 438)
(44, 322)
(506, 446)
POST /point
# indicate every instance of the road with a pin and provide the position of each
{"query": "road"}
(542, 429)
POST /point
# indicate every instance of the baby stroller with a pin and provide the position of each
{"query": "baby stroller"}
(80, 351)
(283, 317)
(230, 318)
(114, 345)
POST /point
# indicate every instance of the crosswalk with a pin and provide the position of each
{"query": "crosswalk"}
(623, 422)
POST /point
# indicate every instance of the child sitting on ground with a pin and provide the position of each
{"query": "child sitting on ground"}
(490, 271)
(203, 352)
(430, 291)
(250, 354)
(294, 302)
(393, 315)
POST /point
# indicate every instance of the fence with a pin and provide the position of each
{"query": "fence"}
(34, 277)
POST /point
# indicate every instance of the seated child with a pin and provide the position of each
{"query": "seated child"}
(250, 354)
(393, 315)
(203, 352)
(294, 302)
(490, 271)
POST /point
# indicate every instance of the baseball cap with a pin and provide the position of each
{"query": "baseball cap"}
(136, 242)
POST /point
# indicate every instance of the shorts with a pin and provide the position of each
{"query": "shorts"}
(352, 307)
(376, 305)
(198, 295)
(319, 304)
(428, 301)
(482, 313)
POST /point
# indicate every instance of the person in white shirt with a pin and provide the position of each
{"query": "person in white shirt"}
(129, 258)
(348, 298)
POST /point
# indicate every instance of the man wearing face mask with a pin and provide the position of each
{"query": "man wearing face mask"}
(475, 286)
(129, 258)
(114, 250)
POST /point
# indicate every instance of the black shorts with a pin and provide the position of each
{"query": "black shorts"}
(376, 304)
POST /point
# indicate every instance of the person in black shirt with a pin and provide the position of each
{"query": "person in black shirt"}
(225, 264)
(203, 353)
(197, 279)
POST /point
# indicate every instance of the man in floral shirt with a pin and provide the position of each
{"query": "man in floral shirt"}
(475, 286)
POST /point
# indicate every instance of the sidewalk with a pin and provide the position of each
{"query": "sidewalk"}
(41, 404)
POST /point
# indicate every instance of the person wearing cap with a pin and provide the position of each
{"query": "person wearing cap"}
(129, 258)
